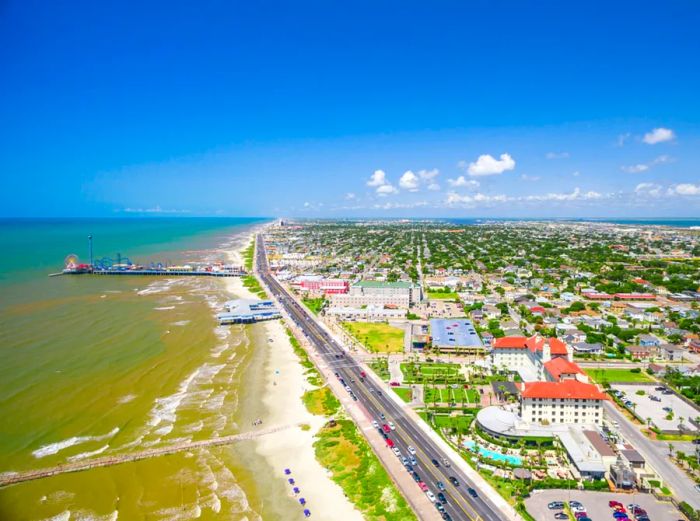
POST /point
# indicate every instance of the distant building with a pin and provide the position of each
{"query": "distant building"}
(529, 356)
(322, 285)
(246, 311)
(365, 293)
(366, 314)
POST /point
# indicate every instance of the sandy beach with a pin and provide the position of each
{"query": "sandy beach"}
(292, 449)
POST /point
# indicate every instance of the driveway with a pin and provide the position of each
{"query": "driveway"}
(596, 504)
(656, 454)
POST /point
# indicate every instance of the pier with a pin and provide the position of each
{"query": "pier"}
(158, 272)
(12, 478)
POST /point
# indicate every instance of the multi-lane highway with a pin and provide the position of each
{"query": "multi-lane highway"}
(460, 505)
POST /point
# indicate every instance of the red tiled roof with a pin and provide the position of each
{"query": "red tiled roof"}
(536, 343)
(559, 366)
(567, 389)
(513, 342)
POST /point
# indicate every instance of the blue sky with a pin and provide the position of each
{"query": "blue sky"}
(391, 109)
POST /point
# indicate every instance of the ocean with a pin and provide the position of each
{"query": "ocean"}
(99, 366)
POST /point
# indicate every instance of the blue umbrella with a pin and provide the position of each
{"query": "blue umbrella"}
(287, 472)
(296, 490)
(291, 481)
(307, 512)
(302, 501)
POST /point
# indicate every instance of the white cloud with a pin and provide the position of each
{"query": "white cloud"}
(393, 205)
(462, 181)
(350, 196)
(576, 174)
(685, 189)
(557, 155)
(434, 187)
(526, 177)
(409, 181)
(489, 165)
(478, 199)
(648, 189)
(576, 195)
(386, 189)
(378, 178)
(428, 175)
(155, 209)
(643, 167)
(622, 139)
(659, 135)
(307, 204)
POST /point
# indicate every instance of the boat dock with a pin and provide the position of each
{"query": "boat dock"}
(157, 272)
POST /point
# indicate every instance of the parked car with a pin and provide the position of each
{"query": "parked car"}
(389, 443)
(439, 506)
(397, 452)
(574, 504)
(394, 384)
(430, 495)
(422, 486)
(561, 515)
(386, 428)
(375, 424)
(442, 497)
(392, 426)
(414, 462)
(556, 505)
(654, 398)
(416, 477)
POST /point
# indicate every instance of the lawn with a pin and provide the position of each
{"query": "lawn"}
(377, 337)
(437, 373)
(354, 466)
(618, 376)
(449, 395)
(314, 304)
(404, 393)
(460, 422)
(442, 295)
(321, 402)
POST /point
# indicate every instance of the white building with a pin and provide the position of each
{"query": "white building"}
(375, 293)
(569, 401)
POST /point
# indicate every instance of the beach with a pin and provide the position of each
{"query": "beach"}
(291, 449)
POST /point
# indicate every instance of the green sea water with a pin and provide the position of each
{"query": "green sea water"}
(99, 366)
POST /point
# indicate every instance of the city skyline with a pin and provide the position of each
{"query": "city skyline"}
(317, 112)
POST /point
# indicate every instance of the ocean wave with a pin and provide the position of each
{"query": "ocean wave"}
(53, 448)
(164, 308)
(63, 516)
(180, 323)
(126, 398)
(88, 454)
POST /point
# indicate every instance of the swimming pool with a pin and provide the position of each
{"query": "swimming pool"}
(496, 456)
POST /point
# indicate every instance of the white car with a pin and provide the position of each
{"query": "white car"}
(412, 450)
(392, 426)
(431, 496)
(578, 508)
(375, 424)
(397, 452)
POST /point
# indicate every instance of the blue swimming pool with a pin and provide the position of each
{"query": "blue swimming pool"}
(496, 456)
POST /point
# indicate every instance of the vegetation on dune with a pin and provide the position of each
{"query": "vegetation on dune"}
(253, 285)
(248, 255)
(354, 466)
(321, 402)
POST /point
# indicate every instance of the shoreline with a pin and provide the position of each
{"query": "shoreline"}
(284, 384)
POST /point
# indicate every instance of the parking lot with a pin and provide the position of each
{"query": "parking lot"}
(648, 408)
(596, 504)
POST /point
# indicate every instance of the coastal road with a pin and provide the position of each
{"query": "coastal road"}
(656, 454)
(460, 505)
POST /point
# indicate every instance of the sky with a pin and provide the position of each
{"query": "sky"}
(361, 109)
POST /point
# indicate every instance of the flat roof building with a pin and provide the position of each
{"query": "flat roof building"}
(247, 311)
(451, 334)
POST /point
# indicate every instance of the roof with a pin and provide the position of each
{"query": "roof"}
(536, 343)
(383, 284)
(559, 366)
(599, 443)
(454, 332)
(571, 389)
(632, 456)
(513, 342)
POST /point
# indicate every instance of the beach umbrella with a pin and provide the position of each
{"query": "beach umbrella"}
(291, 481)
(307, 512)
(296, 490)
(302, 501)
(287, 472)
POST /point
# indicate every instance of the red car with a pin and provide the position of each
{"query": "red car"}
(363, 374)
(614, 504)
(394, 384)
(386, 428)
(389, 443)
(423, 486)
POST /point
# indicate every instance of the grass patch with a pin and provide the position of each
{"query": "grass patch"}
(442, 295)
(314, 304)
(405, 393)
(312, 375)
(354, 466)
(381, 367)
(321, 402)
(377, 337)
(618, 376)
(248, 255)
(435, 373)
(250, 282)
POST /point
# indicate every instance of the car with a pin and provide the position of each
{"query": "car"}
(620, 508)
(347, 388)
(696, 441)
(654, 398)
(435, 462)
(430, 495)
(384, 435)
(397, 452)
(697, 487)
(472, 492)
(446, 516)
(439, 506)
(440, 485)
(414, 462)
(394, 384)
(579, 515)
(409, 468)
(422, 486)
(667, 409)
(620, 515)
(381, 415)
(386, 428)
(446, 462)
(416, 477)
(442, 497)
(561, 515)
(579, 508)
(574, 504)
(585, 519)
(411, 450)
(642, 518)
(389, 443)
(556, 505)
(405, 462)
(375, 424)
(392, 426)
(660, 388)
(363, 374)
(454, 481)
